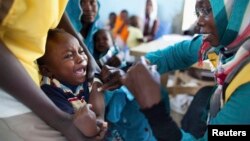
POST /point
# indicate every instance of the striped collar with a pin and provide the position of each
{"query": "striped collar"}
(54, 82)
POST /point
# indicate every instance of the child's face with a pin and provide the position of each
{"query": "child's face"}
(67, 61)
(112, 18)
(134, 21)
(103, 41)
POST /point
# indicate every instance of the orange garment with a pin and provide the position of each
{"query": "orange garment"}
(123, 30)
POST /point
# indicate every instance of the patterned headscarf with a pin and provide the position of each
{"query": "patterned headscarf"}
(231, 18)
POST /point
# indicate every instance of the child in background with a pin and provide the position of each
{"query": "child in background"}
(151, 22)
(105, 50)
(64, 68)
(135, 36)
(111, 22)
(120, 30)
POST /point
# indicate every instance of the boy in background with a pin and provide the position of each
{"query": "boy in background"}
(105, 50)
(135, 36)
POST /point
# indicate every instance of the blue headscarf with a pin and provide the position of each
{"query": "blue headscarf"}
(74, 12)
(93, 29)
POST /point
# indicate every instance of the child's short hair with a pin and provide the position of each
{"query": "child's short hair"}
(100, 31)
(134, 21)
(51, 37)
(52, 34)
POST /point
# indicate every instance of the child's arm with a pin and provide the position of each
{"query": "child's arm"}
(97, 100)
(67, 26)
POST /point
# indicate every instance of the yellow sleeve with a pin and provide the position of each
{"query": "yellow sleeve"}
(24, 29)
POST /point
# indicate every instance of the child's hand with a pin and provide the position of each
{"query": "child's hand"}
(111, 77)
(85, 121)
(114, 61)
(140, 40)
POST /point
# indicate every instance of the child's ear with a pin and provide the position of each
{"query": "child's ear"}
(44, 70)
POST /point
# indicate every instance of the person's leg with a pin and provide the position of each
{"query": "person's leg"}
(194, 121)
(27, 127)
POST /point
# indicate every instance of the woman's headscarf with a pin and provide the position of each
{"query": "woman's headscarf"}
(231, 17)
(93, 29)
(75, 12)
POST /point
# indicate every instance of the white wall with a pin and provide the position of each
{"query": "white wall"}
(189, 16)
(169, 11)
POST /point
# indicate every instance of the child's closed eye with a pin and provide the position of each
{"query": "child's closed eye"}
(81, 51)
(68, 55)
